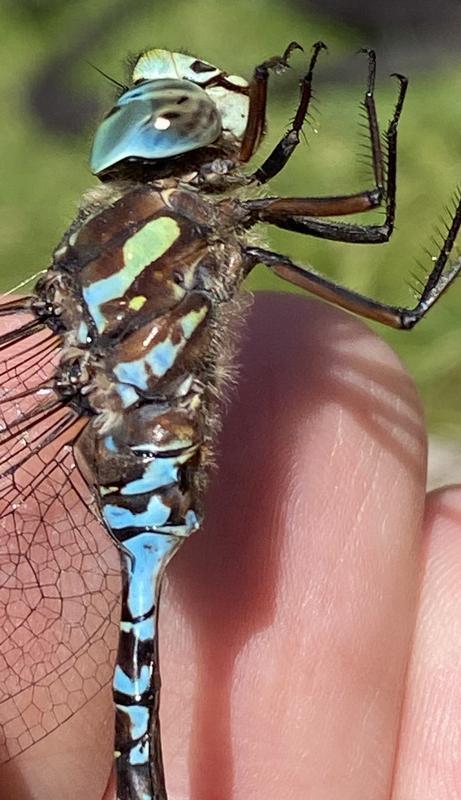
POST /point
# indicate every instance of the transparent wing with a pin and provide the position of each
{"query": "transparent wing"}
(59, 576)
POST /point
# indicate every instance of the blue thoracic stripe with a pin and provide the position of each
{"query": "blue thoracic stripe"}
(82, 333)
(162, 356)
(141, 249)
(110, 444)
(128, 394)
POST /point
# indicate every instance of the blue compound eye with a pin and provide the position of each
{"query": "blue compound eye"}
(156, 119)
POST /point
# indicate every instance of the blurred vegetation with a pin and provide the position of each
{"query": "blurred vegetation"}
(46, 46)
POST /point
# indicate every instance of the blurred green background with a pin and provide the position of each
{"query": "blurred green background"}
(51, 99)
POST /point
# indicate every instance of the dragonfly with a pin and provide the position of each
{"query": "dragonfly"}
(112, 370)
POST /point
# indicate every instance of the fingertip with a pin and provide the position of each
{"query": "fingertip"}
(299, 593)
(430, 747)
(443, 512)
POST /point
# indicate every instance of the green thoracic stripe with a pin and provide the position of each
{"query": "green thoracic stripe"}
(145, 246)
(137, 302)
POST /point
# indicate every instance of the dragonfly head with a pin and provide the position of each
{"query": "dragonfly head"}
(176, 104)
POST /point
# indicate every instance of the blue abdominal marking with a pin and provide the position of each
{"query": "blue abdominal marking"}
(140, 753)
(192, 523)
(139, 719)
(145, 246)
(149, 554)
(155, 514)
(162, 356)
(133, 687)
(160, 472)
(142, 630)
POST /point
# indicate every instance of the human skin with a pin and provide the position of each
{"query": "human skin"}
(311, 632)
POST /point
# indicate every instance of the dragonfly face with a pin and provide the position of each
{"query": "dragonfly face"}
(177, 104)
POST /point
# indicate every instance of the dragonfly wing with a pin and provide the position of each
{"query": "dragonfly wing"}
(59, 574)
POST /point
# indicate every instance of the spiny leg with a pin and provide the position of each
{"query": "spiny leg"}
(279, 156)
(258, 100)
(394, 316)
(298, 213)
(283, 150)
(373, 127)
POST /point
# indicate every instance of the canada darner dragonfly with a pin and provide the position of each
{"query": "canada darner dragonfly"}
(117, 359)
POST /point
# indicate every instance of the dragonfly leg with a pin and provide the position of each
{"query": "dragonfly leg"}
(258, 100)
(300, 214)
(279, 156)
(440, 277)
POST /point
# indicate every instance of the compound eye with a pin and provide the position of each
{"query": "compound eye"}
(155, 120)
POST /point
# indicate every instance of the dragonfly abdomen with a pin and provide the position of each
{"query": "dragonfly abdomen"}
(149, 513)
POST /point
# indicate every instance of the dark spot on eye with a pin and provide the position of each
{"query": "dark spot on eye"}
(178, 278)
(182, 99)
(171, 115)
(200, 66)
